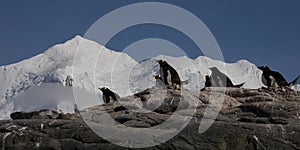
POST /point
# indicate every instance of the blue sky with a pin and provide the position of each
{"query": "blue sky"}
(265, 32)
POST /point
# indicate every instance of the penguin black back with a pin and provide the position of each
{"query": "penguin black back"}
(207, 81)
(267, 72)
(219, 79)
(268, 75)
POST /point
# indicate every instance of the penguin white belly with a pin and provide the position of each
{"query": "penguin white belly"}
(169, 77)
(264, 80)
(221, 83)
(273, 83)
(161, 72)
(213, 82)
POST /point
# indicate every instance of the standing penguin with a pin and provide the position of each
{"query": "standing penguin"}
(219, 79)
(269, 75)
(69, 81)
(168, 73)
(208, 81)
(107, 94)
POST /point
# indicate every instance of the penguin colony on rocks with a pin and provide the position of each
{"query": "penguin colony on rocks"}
(168, 77)
(273, 79)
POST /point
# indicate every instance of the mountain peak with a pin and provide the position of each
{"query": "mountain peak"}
(77, 39)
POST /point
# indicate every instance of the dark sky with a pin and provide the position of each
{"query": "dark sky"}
(265, 32)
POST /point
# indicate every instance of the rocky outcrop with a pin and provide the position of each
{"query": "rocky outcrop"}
(248, 119)
(42, 114)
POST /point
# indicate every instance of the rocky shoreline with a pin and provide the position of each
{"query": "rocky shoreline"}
(248, 119)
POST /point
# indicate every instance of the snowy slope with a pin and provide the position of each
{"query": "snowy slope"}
(54, 65)
(96, 66)
(54, 96)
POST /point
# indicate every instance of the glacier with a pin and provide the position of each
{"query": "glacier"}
(92, 65)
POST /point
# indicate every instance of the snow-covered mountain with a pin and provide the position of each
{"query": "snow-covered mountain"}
(91, 65)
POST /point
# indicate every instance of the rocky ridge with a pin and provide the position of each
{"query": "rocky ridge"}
(248, 119)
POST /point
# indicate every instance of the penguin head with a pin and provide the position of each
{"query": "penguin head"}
(264, 68)
(213, 69)
(271, 77)
(157, 76)
(207, 77)
(158, 61)
(102, 89)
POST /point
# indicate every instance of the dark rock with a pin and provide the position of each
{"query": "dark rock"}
(42, 114)
(75, 116)
(249, 119)
(71, 144)
(255, 120)
(137, 124)
(120, 108)
(21, 115)
(279, 120)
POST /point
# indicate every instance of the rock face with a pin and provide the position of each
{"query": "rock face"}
(42, 114)
(248, 120)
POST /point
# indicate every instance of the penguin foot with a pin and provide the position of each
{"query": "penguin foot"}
(204, 89)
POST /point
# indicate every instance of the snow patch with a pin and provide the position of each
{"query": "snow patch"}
(54, 97)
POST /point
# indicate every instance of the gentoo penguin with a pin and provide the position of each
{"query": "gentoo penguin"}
(159, 81)
(219, 79)
(107, 94)
(279, 79)
(208, 81)
(168, 73)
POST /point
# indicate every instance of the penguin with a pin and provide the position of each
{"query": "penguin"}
(268, 74)
(107, 94)
(208, 81)
(168, 73)
(159, 81)
(219, 79)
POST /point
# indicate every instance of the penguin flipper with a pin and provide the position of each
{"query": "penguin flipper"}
(239, 85)
(294, 81)
(186, 81)
(115, 97)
